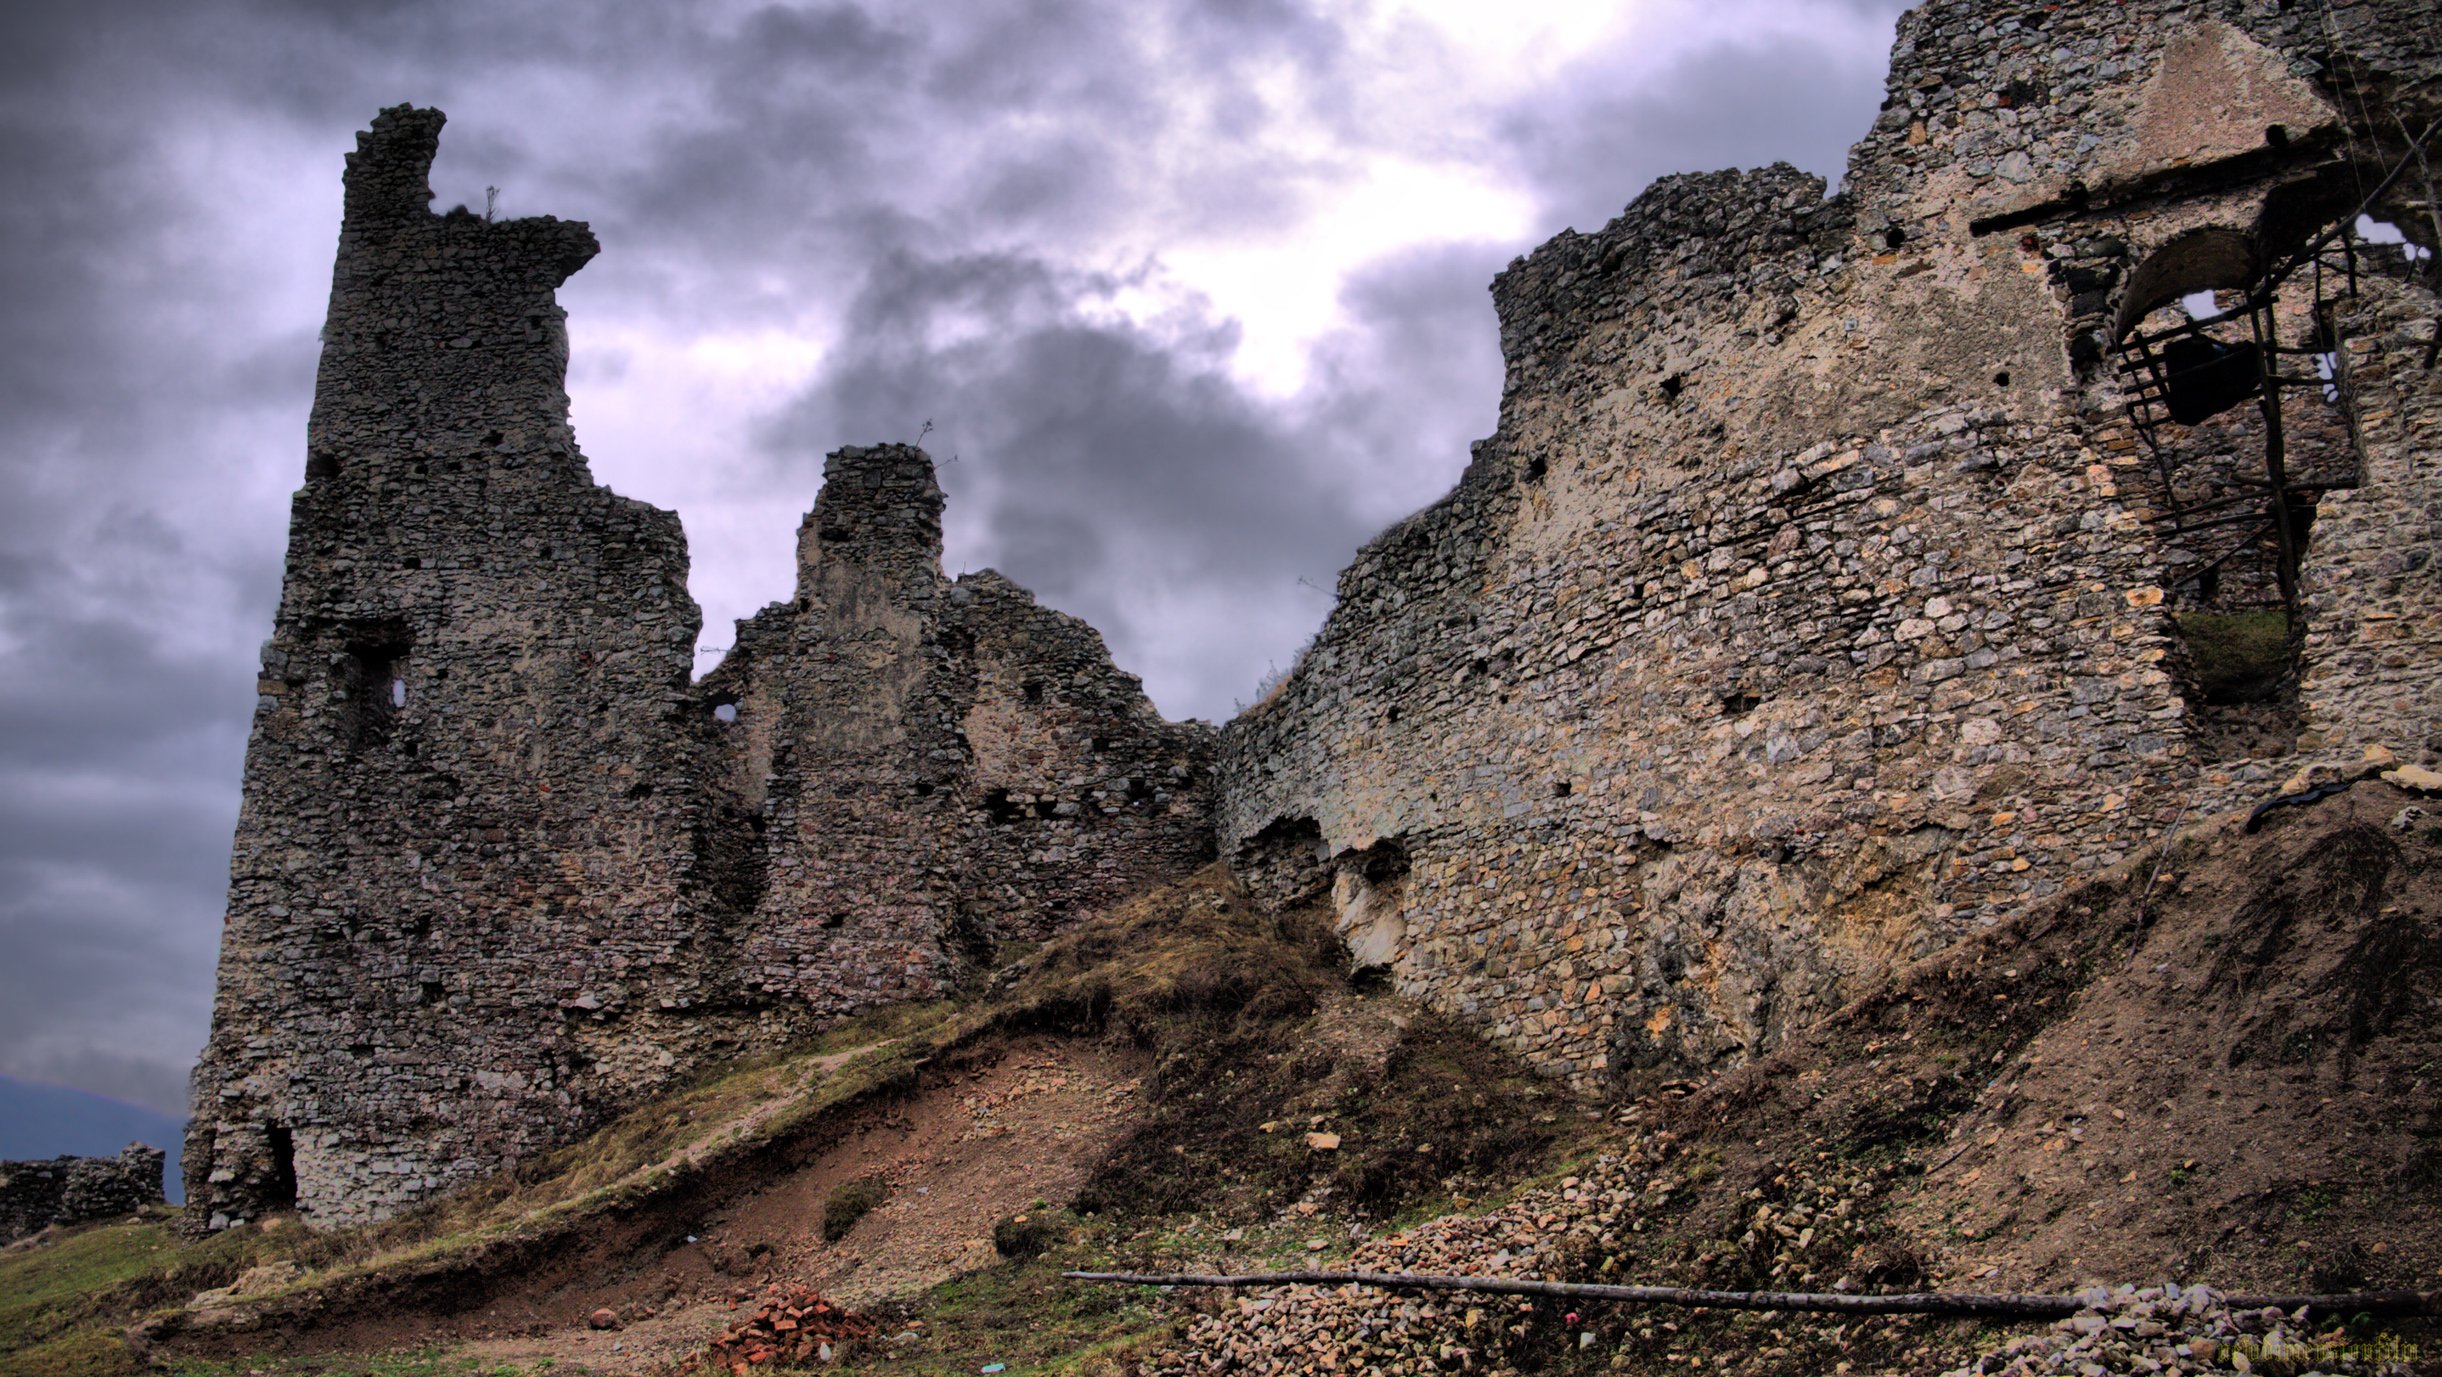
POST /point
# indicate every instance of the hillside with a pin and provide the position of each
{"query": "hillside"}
(2225, 1082)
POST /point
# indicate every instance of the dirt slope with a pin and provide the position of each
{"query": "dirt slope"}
(2230, 1080)
(2223, 1072)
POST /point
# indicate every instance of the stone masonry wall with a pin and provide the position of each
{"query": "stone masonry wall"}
(501, 868)
(934, 765)
(75, 1190)
(1809, 607)
(2374, 630)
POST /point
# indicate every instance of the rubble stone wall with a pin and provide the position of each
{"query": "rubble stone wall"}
(501, 867)
(76, 1190)
(1812, 604)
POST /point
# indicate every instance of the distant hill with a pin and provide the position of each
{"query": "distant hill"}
(46, 1120)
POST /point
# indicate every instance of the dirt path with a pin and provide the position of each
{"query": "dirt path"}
(959, 1156)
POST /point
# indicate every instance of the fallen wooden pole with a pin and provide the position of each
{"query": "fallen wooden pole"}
(2032, 1307)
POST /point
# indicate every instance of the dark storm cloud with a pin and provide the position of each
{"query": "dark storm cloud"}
(1612, 125)
(1122, 473)
(942, 191)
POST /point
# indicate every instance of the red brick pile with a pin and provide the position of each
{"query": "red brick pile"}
(792, 1326)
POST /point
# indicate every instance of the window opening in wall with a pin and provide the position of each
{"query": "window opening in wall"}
(1739, 704)
(1032, 690)
(2226, 352)
(280, 1171)
(725, 712)
(371, 683)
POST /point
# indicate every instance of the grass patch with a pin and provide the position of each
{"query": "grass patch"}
(849, 1203)
(2238, 657)
(62, 1304)
(1021, 1314)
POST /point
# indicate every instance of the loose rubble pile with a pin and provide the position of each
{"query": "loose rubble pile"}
(2173, 1330)
(791, 1326)
(1556, 1232)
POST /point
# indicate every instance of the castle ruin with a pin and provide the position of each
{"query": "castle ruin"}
(1831, 586)
(501, 866)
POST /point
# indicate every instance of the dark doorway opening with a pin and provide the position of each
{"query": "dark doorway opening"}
(280, 1173)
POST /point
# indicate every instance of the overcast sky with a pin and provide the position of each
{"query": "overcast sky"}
(1194, 294)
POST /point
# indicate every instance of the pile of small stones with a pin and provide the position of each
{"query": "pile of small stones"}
(1578, 1228)
(2176, 1330)
(1800, 1231)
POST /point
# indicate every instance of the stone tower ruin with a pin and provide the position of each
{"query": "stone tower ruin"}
(501, 867)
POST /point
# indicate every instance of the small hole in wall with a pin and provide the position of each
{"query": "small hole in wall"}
(493, 438)
(1033, 690)
(725, 712)
(1535, 469)
(2002, 378)
(2276, 135)
(835, 920)
(1739, 704)
(321, 464)
(640, 791)
(398, 693)
(1391, 716)
(999, 809)
(1893, 237)
(412, 562)
(1560, 788)
(923, 789)
(432, 992)
(1673, 385)
(1046, 808)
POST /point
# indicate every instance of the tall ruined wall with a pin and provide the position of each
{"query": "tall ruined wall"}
(501, 868)
(1813, 604)
(934, 766)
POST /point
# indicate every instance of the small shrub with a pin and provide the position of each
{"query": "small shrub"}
(850, 1203)
(2239, 657)
(1026, 1234)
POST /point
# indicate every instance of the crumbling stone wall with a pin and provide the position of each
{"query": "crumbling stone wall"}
(501, 867)
(2374, 592)
(934, 765)
(1809, 608)
(76, 1190)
